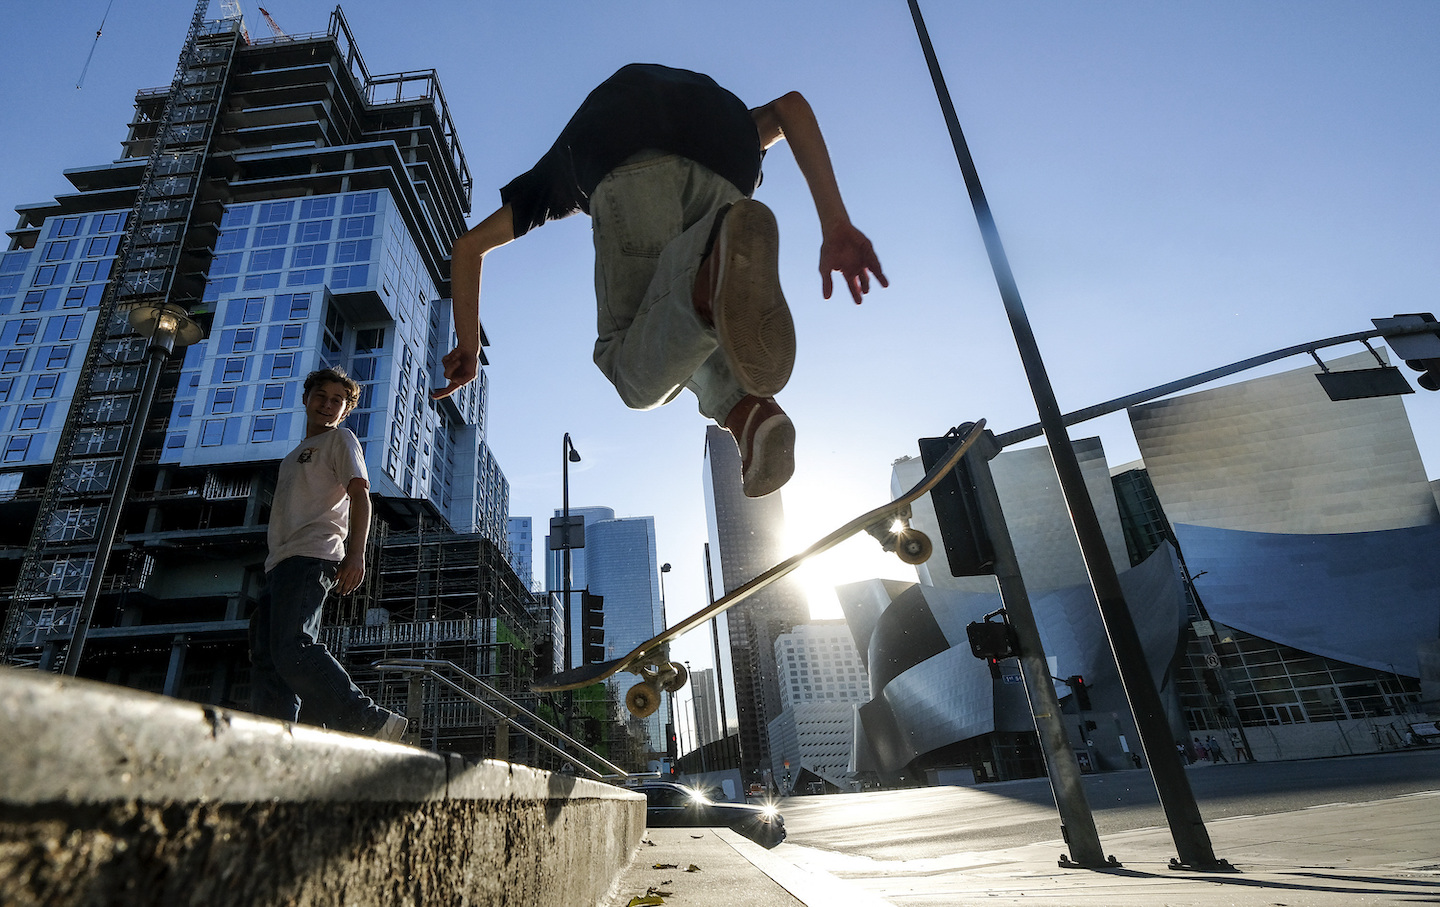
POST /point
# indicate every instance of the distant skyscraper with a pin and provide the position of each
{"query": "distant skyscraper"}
(822, 680)
(522, 548)
(619, 564)
(706, 709)
(746, 539)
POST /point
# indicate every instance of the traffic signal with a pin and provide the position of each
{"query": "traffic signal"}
(1416, 339)
(592, 628)
(1081, 693)
(672, 746)
(993, 640)
(962, 530)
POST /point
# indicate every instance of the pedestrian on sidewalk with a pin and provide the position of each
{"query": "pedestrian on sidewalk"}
(1212, 746)
(1183, 749)
(687, 287)
(319, 524)
(1200, 751)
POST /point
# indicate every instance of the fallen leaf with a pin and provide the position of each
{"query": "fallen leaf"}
(664, 866)
(692, 868)
(648, 900)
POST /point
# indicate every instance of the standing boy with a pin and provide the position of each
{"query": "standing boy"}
(319, 524)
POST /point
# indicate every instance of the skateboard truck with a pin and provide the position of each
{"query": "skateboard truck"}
(907, 543)
(658, 674)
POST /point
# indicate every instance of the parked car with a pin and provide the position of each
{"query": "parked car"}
(674, 806)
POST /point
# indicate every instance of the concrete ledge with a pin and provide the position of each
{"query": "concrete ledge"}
(111, 796)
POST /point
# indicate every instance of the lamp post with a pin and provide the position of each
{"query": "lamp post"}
(568, 455)
(166, 326)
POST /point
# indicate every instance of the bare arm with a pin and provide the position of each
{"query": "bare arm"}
(352, 566)
(466, 257)
(843, 248)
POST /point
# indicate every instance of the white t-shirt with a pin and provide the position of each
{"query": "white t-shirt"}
(310, 516)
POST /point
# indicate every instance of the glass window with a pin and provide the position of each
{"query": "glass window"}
(234, 370)
(108, 223)
(69, 226)
(296, 306)
(306, 278)
(273, 396)
(232, 239)
(317, 207)
(313, 231)
(57, 357)
(353, 250)
(60, 250)
(267, 260)
(237, 216)
(212, 433)
(14, 262)
(369, 340)
(361, 203)
(291, 335)
(67, 326)
(93, 270)
(262, 281)
(357, 227)
(25, 332)
(275, 212)
(31, 414)
(262, 429)
(223, 401)
(16, 448)
(244, 341)
(283, 366)
(309, 256)
(75, 297)
(32, 301)
(351, 276)
(46, 275)
(45, 386)
(227, 263)
(274, 235)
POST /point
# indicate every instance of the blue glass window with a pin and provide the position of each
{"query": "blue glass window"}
(317, 207)
(232, 239)
(276, 235)
(212, 433)
(273, 397)
(262, 430)
(16, 448)
(275, 212)
(237, 216)
(313, 231)
(310, 256)
(361, 203)
(357, 227)
(267, 260)
(261, 281)
(307, 278)
(354, 250)
(352, 276)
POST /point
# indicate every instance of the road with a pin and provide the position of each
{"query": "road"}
(924, 823)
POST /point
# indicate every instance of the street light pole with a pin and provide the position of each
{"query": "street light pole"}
(166, 326)
(568, 455)
(1187, 827)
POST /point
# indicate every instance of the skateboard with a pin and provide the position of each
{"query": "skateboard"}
(650, 660)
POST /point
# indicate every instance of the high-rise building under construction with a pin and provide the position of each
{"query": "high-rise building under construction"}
(280, 209)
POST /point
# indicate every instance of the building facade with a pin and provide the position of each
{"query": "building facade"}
(521, 533)
(300, 210)
(822, 682)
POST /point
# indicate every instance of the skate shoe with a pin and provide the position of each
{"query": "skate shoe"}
(752, 322)
(766, 438)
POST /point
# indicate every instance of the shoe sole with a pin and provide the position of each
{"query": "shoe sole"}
(752, 322)
(772, 457)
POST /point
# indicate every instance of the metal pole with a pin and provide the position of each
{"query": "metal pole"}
(1077, 822)
(715, 640)
(565, 449)
(158, 349)
(1187, 827)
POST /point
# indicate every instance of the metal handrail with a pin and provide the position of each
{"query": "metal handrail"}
(432, 667)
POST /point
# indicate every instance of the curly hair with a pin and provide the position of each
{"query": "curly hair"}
(337, 375)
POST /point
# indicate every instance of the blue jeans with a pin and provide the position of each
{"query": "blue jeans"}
(289, 665)
(651, 218)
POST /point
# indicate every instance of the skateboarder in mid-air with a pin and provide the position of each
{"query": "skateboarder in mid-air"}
(687, 289)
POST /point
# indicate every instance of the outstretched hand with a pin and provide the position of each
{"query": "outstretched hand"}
(461, 366)
(847, 250)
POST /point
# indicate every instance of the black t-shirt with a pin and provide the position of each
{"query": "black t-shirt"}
(643, 106)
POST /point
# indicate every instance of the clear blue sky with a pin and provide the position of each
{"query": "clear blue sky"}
(1178, 185)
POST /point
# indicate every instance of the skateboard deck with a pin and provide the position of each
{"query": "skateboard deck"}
(650, 659)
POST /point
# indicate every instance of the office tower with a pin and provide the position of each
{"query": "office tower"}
(618, 563)
(522, 548)
(822, 681)
(746, 539)
(299, 209)
(706, 710)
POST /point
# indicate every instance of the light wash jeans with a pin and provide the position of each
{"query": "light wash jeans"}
(288, 663)
(651, 218)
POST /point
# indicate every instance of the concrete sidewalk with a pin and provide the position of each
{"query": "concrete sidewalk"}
(1378, 852)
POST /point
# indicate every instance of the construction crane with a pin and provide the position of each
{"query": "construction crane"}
(274, 26)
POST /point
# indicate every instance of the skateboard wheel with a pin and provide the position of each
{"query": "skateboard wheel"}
(913, 546)
(642, 701)
(677, 679)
